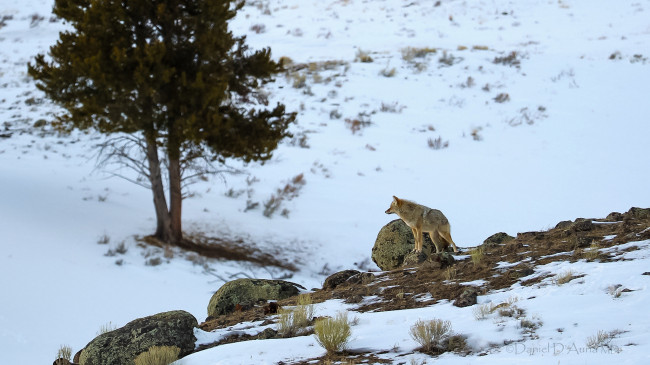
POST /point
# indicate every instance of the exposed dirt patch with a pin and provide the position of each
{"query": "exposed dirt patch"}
(231, 249)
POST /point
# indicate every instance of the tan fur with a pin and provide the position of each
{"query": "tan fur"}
(423, 219)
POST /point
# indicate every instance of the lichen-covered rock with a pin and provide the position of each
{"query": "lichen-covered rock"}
(467, 298)
(394, 241)
(338, 278)
(247, 292)
(497, 239)
(123, 345)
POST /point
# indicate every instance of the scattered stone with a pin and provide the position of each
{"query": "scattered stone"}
(585, 241)
(354, 299)
(563, 225)
(414, 258)
(582, 225)
(123, 345)
(338, 278)
(497, 239)
(248, 292)
(267, 334)
(526, 271)
(440, 260)
(614, 217)
(467, 298)
(361, 278)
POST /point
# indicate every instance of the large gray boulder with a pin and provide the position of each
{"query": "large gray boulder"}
(247, 292)
(394, 241)
(123, 345)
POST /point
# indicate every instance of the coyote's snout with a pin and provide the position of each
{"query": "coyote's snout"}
(423, 219)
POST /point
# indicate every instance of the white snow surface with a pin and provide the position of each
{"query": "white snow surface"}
(570, 142)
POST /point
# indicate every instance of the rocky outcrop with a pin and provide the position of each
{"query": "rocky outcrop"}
(244, 293)
(123, 345)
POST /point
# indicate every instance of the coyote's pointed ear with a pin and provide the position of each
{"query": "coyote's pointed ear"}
(397, 200)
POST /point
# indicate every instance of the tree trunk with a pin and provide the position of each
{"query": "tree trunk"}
(175, 198)
(163, 226)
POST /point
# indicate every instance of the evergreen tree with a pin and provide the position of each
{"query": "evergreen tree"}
(172, 76)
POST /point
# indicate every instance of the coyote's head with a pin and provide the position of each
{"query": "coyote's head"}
(394, 206)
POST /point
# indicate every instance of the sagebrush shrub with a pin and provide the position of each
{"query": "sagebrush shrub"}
(333, 334)
(429, 334)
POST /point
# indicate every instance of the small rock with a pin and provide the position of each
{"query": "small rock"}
(354, 299)
(497, 239)
(467, 298)
(526, 271)
(582, 225)
(362, 278)
(338, 278)
(584, 241)
(614, 217)
(441, 260)
(414, 258)
(267, 334)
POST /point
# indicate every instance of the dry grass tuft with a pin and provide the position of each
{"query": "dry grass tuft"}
(158, 355)
(293, 321)
(333, 334)
(430, 334)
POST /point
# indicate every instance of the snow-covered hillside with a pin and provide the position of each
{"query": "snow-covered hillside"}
(506, 115)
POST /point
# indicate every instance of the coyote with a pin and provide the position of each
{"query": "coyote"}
(423, 219)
